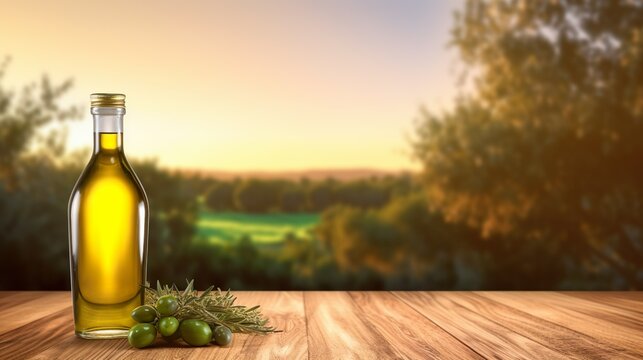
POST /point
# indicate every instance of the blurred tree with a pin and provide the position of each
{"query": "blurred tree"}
(412, 247)
(173, 216)
(35, 182)
(548, 146)
(320, 195)
(361, 193)
(22, 119)
(292, 198)
(220, 196)
(257, 196)
(358, 238)
(400, 185)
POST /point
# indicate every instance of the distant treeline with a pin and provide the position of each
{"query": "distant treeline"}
(290, 196)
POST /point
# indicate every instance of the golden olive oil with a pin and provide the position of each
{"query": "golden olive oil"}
(108, 216)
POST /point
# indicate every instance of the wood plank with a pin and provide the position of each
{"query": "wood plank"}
(67, 345)
(568, 342)
(484, 336)
(337, 329)
(36, 336)
(285, 309)
(70, 346)
(410, 334)
(594, 309)
(538, 304)
(624, 300)
(31, 306)
(4, 294)
(12, 298)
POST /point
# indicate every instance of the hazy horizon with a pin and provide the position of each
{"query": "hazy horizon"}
(341, 174)
(245, 86)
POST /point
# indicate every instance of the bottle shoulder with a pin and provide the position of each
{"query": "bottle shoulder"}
(109, 173)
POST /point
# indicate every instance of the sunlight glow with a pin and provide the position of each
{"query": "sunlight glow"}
(245, 85)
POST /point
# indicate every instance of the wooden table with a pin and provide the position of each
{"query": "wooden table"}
(365, 325)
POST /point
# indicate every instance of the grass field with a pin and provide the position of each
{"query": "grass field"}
(263, 228)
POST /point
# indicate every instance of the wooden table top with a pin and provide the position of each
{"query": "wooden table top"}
(365, 325)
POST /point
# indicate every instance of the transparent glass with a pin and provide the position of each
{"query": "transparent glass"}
(108, 225)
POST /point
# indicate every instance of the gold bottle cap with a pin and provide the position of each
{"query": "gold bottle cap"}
(107, 100)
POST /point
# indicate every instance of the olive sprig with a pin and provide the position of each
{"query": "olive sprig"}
(215, 307)
(197, 319)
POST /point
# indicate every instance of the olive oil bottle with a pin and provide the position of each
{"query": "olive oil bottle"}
(108, 225)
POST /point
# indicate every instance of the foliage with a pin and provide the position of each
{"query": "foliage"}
(405, 242)
(292, 199)
(220, 196)
(255, 195)
(173, 215)
(33, 186)
(320, 195)
(546, 150)
(288, 196)
(22, 118)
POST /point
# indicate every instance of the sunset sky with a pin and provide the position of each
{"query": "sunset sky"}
(245, 85)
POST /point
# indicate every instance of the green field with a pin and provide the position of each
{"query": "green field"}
(263, 228)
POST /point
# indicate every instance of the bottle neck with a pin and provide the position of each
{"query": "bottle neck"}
(108, 129)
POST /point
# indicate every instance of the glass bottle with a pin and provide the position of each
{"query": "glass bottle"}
(108, 225)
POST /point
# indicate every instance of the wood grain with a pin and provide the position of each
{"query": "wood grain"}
(337, 329)
(485, 336)
(631, 301)
(30, 306)
(32, 338)
(409, 333)
(565, 313)
(16, 297)
(364, 325)
(568, 342)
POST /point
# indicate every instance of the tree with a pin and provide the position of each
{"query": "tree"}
(547, 147)
(411, 246)
(257, 196)
(292, 198)
(320, 195)
(361, 193)
(35, 182)
(23, 118)
(220, 196)
(172, 223)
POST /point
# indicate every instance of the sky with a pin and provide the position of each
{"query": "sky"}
(245, 85)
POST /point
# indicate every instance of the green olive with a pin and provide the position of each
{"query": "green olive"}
(168, 325)
(222, 335)
(144, 314)
(141, 335)
(196, 332)
(167, 305)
